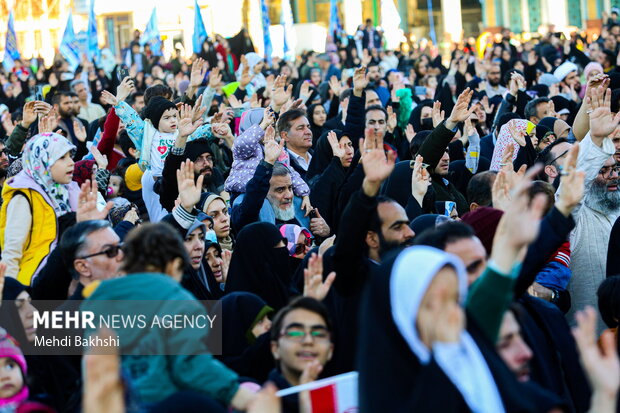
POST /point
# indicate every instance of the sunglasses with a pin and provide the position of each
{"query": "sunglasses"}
(110, 252)
(301, 248)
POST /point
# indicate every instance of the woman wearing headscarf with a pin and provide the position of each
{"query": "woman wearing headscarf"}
(214, 206)
(260, 265)
(198, 278)
(37, 197)
(317, 116)
(421, 118)
(519, 134)
(327, 173)
(255, 64)
(246, 344)
(429, 360)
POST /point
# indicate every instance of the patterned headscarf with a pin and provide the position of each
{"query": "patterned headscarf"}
(42, 151)
(504, 138)
(291, 233)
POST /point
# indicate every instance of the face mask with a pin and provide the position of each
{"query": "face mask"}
(427, 124)
(210, 236)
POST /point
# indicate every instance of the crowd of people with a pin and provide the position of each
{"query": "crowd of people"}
(439, 230)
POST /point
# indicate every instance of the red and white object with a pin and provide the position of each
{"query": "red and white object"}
(337, 394)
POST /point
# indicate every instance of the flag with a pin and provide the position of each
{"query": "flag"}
(200, 33)
(69, 47)
(334, 20)
(93, 42)
(11, 52)
(337, 394)
(151, 35)
(431, 22)
(390, 23)
(286, 20)
(266, 35)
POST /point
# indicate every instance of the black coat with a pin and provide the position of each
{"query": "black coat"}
(391, 378)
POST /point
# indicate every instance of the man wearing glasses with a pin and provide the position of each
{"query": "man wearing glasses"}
(600, 207)
(552, 157)
(301, 345)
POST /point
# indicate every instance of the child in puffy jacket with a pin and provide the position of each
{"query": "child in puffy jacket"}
(248, 152)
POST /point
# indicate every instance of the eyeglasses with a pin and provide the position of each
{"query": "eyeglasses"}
(607, 170)
(204, 159)
(557, 157)
(301, 248)
(110, 252)
(298, 334)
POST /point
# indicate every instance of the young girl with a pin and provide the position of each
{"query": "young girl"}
(36, 198)
(13, 371)
(248, 152)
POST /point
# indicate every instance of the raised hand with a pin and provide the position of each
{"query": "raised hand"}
(313, 279)
(437, 114)
(572, 183)
(102, 160)
(377, 166)
(103, 387)
(234, 102)
(215, 78)
(600, 362)
(42, 108)
(460, 112)
(520, 223)
(337, 150)
(125, 89)
(410, 132)
(360, 81)
(304, 91)
(273, 149)
(488, 109)
(49, 123)
(392, 120)
(108, 99)
(189, 190)
(420, 179)
(598, 102)
(266, 400)
(187, 125)
(246, 77)
(516, 82)
(198, 110)
(79, 130)
(29, 116)
(280, 93)
(517, 134)
(268, 118)
(87, 203)
(306, 205)
(335, 86)
(199, 70)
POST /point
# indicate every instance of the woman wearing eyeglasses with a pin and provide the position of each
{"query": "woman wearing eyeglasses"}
(34, 201)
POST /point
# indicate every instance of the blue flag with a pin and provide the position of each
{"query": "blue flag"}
(266, 34)
(200, 33)
(93, 42)
(11, 53)
(286, 20)
(69, 47)
(334, 20)
(151, 35)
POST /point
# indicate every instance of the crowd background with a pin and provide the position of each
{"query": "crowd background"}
(437, 228)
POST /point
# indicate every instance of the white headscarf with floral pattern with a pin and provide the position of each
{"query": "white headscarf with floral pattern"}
(42, 151)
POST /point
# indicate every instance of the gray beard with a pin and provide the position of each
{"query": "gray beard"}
(283, 214)
(600, 199)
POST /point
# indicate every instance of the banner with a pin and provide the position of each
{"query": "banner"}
(151, 35)
(200, 33)
(266, 35)
(93, 42)
(11, 52)
(286, 20)
(69, 47)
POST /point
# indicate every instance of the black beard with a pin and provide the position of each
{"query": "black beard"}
(494, 82)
